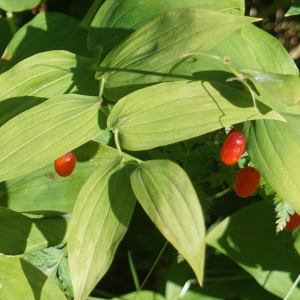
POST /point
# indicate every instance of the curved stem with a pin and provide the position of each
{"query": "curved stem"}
(11, 23)
(292, 288)
(101, 87)
(116, 137)
(85, 23)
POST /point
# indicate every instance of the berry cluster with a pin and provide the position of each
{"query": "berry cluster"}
(247, 180)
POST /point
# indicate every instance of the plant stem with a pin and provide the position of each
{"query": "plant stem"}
(116, 136)
(133, 272)
(11, 23)
(85, 23)
(152, 268)
(292, 288)
(101, 86)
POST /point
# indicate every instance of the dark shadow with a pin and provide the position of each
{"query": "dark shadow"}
(86, 151)
(36, 278)
(3, 194)
(121, 197)
(11, 107)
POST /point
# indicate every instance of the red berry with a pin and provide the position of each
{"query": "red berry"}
(233, 148)
(232, 130)
(65, 164)
(246, 182)
(293, 223)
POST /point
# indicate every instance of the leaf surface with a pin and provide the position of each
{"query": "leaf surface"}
(15, 5)
(169, 199)
(147, 56)
(43, 133)
(116, 20)
(99, 221)
(273, 148)
(248, 237)
(21, 280)
(176, 111)
(46, 31)
(20, 234)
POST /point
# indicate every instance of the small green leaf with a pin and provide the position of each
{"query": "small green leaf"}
(21, 280)
(168, 197)
(248, 237)
(46, 31)
(273, 148)
(148, 55)
(115, 21)
(43, 133)
(294, 9)
(176, 111)
(54, 263)
(272, 87)
(20, 234)
(99, 221)
(16, 5)
(141, 295)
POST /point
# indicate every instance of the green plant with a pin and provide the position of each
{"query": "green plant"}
(149, 179)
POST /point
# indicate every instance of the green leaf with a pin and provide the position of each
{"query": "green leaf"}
(20, 234)
(21, 280)
(46, 31)
(54, 263)
(248, 237)
(270, 87)
(294, 9)
(99, 221)
(44, 192)
(43, 133)
(283, 211)
(5, 34)
(273, 148)
(48, 74)
(16, 5)
(141, 295)
(168, 197)
(116, 20)
(264, 52)
(176, 111)
(148, 55)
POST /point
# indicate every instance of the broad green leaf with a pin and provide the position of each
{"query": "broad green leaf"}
(116, 20)
(100, 218)
(294, 9)
(20, 280)
(273, 148)
(264, 52)
(148, 55)
(17, 5)
(274, 87)
(20, 234)
(45, 32)
(48, 74)
(176, 111)
(54, 263)
(44, 192)
(141, 295)
(43, 133)
(248, 237)
(167, 195)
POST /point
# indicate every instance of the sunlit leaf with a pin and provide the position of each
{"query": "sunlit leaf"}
(148, 55)
(273, 148)
(46, 31)
(168, 197)
(116, 20)
(20, 234)
(43, 133)
(21, 280)
(16, 5)
(248, 237)
(176, 111)
(294, 9)
(99, 221)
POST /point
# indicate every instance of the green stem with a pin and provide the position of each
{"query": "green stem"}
(85, 23)
(292, 288)
(133, 272)
(152, 268)
(101, 86)
(11, 23)
(116, 136)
